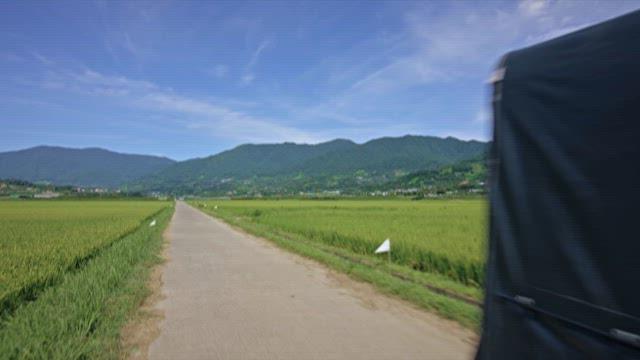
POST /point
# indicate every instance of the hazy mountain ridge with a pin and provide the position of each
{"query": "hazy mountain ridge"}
(82, 167)
(284, 168)
(255, 159)
(290, 168)
(387, 154)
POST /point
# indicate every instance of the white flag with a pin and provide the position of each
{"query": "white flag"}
(153, 223)
(384, 247)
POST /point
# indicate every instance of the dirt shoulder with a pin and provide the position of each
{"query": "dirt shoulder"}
(138, 334)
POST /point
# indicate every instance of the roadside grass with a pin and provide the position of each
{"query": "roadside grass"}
(81, 316)
(433, 292)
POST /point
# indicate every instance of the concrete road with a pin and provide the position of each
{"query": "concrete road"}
(228, 295)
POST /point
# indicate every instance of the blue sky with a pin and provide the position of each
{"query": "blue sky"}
(186, 79)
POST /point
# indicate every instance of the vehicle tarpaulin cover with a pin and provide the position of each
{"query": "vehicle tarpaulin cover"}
(563, 272)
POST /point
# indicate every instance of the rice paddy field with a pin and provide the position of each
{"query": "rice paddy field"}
(63, 264)
(40, 239)
(446, 237)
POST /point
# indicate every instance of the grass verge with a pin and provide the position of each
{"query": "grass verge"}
(82, 315)
(433, 292)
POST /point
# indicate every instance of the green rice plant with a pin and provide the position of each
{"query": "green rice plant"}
(446, 237)
(82, 316)
(42, 240)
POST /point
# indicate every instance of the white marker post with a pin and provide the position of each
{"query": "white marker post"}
(385, 247)
(153, 223)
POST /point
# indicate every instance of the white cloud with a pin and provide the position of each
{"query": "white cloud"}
(129, 45)
(92, 77)
(443, 47)
(93, 83)
(223, 122)
(249, 76)
(438, 47)
(446, 46)
(42, 59)
(247, 79)
(464, 40)
(219, 71)
(533, 7)
(403, 73)
(482, 117)
(220, 120)
(255, 56)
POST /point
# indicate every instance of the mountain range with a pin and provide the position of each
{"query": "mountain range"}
(245, 169)
(90, 167)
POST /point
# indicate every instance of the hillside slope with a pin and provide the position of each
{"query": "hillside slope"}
(81, 167)
(468, 174)
(389, 154)
(288, 167)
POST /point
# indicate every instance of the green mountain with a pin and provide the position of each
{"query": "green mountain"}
(81, 167)
(249, 161)
(465, 175)
(288, 168)
(400, 154)
(266, 169)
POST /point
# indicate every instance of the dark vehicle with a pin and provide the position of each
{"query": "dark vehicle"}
(564, 254)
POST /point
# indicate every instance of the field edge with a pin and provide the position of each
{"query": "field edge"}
(143, 324)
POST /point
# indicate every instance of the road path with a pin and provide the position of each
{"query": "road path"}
(228, 295)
